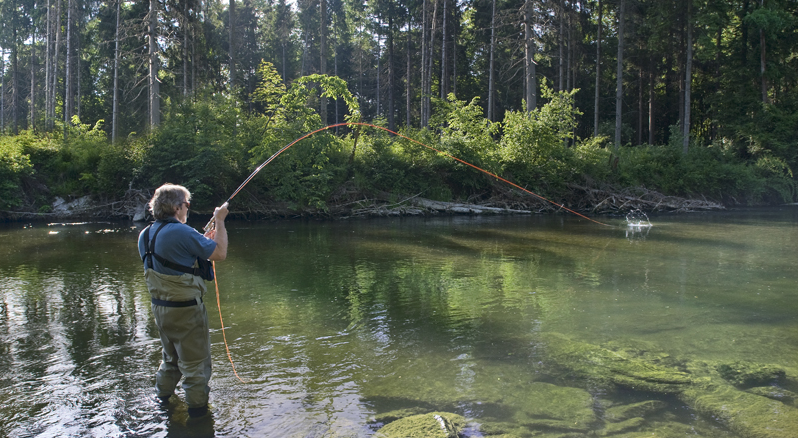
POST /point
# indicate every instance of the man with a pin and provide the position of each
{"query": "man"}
(173, 255)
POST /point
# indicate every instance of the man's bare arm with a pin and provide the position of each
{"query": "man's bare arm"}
(219, 235)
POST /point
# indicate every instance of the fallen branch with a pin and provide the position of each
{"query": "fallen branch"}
(601, 201)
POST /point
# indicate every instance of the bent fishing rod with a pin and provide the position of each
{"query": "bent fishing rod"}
(211, 224)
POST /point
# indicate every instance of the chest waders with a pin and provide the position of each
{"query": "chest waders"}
(183, 326)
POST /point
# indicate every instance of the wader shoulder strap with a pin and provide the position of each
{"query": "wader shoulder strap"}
(150, 252)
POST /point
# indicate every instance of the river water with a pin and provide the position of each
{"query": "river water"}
(334, 326)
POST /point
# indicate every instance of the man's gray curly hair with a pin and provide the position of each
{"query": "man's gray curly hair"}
(167, 200)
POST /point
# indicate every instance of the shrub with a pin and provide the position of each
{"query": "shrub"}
(534, 148)
(119, 166)
(308, 172)
(706, 171)
(14, 165)
(195, 146)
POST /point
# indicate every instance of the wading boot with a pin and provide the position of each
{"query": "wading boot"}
(197, 412)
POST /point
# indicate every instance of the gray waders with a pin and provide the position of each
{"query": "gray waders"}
(183, 325)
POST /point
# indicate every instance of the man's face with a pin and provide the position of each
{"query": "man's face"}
(182, 213)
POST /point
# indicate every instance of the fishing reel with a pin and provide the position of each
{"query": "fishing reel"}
(211, 225)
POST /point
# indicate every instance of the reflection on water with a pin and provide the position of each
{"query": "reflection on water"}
(339, 324)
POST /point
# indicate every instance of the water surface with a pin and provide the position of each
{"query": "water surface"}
(334, 324)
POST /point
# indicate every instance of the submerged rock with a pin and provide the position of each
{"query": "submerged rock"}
(388, 417)
(552, 407)
(747, 374)
(629, 425)
(432, 425)
(775, 393)
(747, 414)
(601, 365)
(705, 388)
(626, 412)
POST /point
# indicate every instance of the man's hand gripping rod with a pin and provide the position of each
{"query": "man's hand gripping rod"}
(211, 225)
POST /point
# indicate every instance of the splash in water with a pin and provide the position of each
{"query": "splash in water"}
(637, 225)
(637, 219)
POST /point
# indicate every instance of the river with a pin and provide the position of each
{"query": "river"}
(335, 326)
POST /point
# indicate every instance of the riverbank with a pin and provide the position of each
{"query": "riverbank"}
(352, 204)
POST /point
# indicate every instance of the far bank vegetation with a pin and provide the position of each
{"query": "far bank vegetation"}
(600, 106)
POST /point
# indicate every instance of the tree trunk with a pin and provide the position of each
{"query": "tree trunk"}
(359, 62)
(185, 46)
(408, 75)
(76, 66)
(391, 122)
(232, 43)
(744, 33)
(379, 72)
(560, 45)
(154, 85)
(423, 61)
(651, 78)
(14, 74)
(492, 50)
(454, 63)
(529, 61)
(47, 66)
(640, 106)
(619, 77)
(430, 46)
(323, 55)
(598, 73)
(681, 73)
(762, 66)
(193, 57)
(335, 66)
(444, 73)
(570, 52)
(2, 89)
(688, 78)
(54, 74)
(115, 108)
(68, 69)
(32, 108)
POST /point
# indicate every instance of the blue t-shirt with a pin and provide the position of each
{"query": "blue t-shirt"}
(178, 243)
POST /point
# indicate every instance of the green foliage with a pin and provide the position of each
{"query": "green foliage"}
(14, 166)
(772, 21)
(469, 136)
(196, 146)
(210, 146)
(593, 159)
(384, 163)
(706, 171)
(119, 166)
(306, 173)
(69, 166)
(465, 133)
(80, 158)
(269, 91)
(333, 87)
(534, 150)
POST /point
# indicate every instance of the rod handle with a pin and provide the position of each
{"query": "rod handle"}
(212, 223)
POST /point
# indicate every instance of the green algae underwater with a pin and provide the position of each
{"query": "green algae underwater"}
(530, 326)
